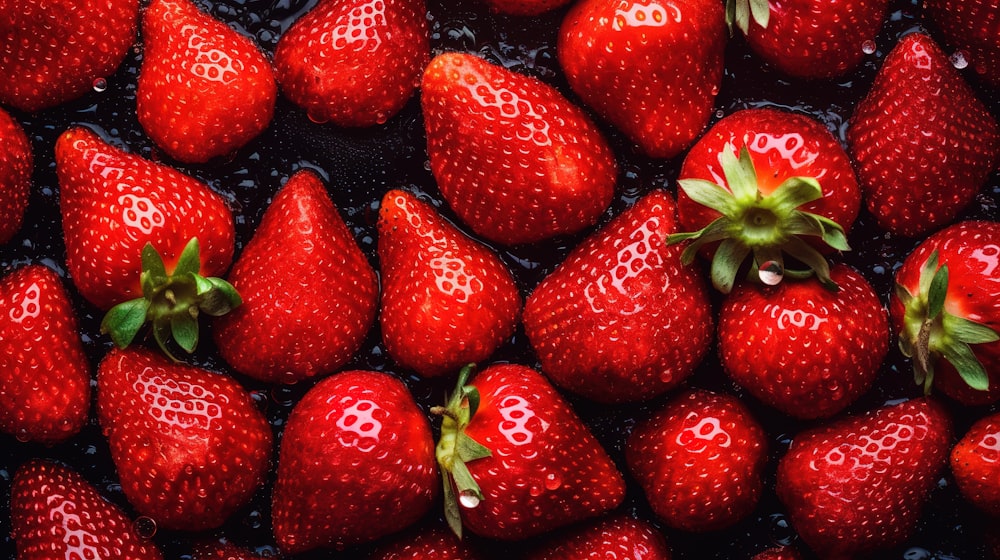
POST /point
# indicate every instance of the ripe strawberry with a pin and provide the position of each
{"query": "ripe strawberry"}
(356, 464)
(446, 300)
(516, 459)
(947, 311)
(972, 27)
(619, 537)
(309, 293)
(651, 69)
(858, 484)
(790, 190)
(204, 90)
(216, 550)
(621, 319)
(920, 127)
(975, 462)
(189, 445)
(55, 513)
(16, 166)
(831, 343)
(422, 543)
(354, 62)
(778, 553)
(53, 51)
(516, 160)
(700, 461)
(525, 7)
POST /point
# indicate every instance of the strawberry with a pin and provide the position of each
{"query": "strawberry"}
(354, 62)
(356, 464)
(778, 553)
(699, 460)
(972, 27)
(189, 444)
(517, 462)
(618, 537)
(946, 309)
(525, 7)
(766, 182)
(975, 463)
(514, 159)
(920, 127)
(652, 69)
(857, 485)
(832, 343)
(621, 319)
(204, 90)
(16, 166)
(309, 293)
(215, 550)
(53, 51)
(436, 542)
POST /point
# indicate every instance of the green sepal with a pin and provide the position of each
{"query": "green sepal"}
(189, 262)
(937, 293)
(967, 331)
(184, 330)
(124, 320)
(968, 366)
(153, 271)
(726, 264)
(739, 12)
(218, 297)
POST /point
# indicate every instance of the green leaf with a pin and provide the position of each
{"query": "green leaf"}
(927, 272)
(452, 513)
(961, 356)
(761, 10)
(469, 449)
(967, 331)
(154, 274)
(709, 194)
(162, 334)
(726, 264)
(794, 192)
(189, 262)
(220, 299)
(904, 295)
(740, 174)
(937, 293)
(471, 395)
(809, 256)
(124, 320)
(184, 329)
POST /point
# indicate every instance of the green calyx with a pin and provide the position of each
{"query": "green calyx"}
(766, 227)
(930, 332)
(171, 302)
(739, 12)
(455, 450)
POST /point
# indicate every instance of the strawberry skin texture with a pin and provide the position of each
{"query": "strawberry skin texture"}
(651, 69)
(515, 159)
(621, 319)
(699, 460)
(923, 144)
(447, 300)
(189, 444)
(356, 463)
(975, 463)
(204, 90)
(422, 543)
(354, 63)
(618, 537)
(309, 293)
(16, 166)
(223, 551)
(858, 484)
(778, 553)
(801, 348)
(973, 27)
(113, 203)
(44, 374)
(56, 513)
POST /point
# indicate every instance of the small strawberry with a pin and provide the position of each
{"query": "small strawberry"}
(423, 543)
(858, 484)
(515, 159)
(700, 461)
(204, 90)
(354, 62)
(517, 462)
(923, 144)
(972, 27)
(778, 553)
(309, 293)
(55, 513)
(652, 69)
(356, 464)
(52, 51)
(215, 550)
(189, 445)
(975, 462)
(16, 166)
(618, 537)
(621, 319)
(525, 7)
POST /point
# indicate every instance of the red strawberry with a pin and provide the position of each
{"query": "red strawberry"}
(223, 551)
(55, 513)
(16, 166)
(790, 190)
(309, 293)
(422, 543)
(947, 311)
(972, 27)
(354, 62)
(975, 462)
(44, 374)
(621, 319)
(858, 485)
(778, 553)
(356, 464)
(700, 461)
(53, 51)
(920, 127)
(525, 7)
(516, 160)
(652, 69)
(204, 90)
(618, 537)
(830, 343)
(189, 445)
(517, 461)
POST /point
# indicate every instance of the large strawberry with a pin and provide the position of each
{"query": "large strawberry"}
(16, 166)
(189, 445)
(44, 374)
(516, 460)
(204, 90)
(356, 464)
(651, 68)
(619, 537)
(973, 28)
(621, 319)
(309, 293)
(446, 300)
(923, 144)
(52, 51)
(975, 463)
(354, 62)
(515, 159)
(858, 484)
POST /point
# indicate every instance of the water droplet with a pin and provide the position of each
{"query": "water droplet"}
(100, 85)
(868, 47)
(317, 118)
(22, 436)
(552, 481)
(771, 273)
(959, 60)
(719, 113)
(144, 527)
(468, 499)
